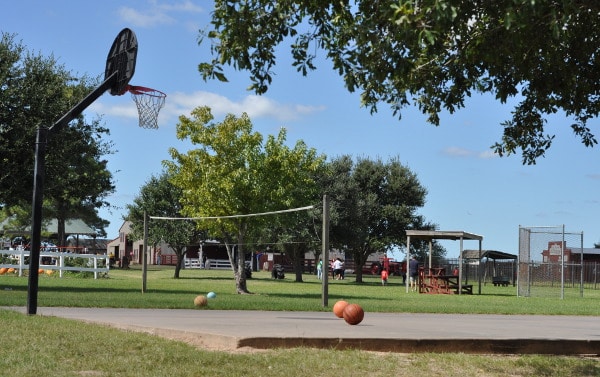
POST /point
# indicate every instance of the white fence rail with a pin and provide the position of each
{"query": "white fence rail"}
(211, 264)
(97, 264)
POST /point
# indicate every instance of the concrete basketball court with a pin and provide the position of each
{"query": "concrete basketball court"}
(386, 332)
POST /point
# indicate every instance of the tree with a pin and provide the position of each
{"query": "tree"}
(233, 172)
(36, 91)
(431, 53)
(78, 180)
(159, 197)
(372, 205)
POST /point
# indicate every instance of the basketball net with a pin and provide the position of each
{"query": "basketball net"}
(148, 102)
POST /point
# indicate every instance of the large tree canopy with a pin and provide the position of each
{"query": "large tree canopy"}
(373, 203)
(233, 172)
(430, 53)
(35, 91)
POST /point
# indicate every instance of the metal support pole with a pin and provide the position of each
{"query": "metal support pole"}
(581, 264)
(460, 270)
(480, 271)
(407, 281)
(36, 219)
(325, 241)
(562, 265)
(145, 254)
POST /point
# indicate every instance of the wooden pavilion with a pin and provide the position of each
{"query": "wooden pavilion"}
(430, 235)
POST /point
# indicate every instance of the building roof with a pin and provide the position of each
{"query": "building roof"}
(443, 235)
(490, 254)
(72, 226)
(585, 250)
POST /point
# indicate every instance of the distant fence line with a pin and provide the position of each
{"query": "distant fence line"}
(210, 264)
(55, 261)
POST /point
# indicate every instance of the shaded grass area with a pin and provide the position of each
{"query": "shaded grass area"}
(123, 288)
(49, 346)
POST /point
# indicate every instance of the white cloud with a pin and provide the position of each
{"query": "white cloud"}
(157, 13)
(255, 106)
(124, 110)
(179, 103)
(488, 154)
(463, 152)
(183, 6)
(148, 19)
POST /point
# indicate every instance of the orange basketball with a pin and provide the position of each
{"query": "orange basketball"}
(200, 301)
(338, 308)
(353, 314)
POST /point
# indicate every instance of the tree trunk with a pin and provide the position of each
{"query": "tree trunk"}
(236, 256)
(61, 238)
(240, 273)
(358, 272)
(179, 254)
(298, 269)
(296, 253)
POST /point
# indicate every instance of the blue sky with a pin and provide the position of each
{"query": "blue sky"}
(469, 188)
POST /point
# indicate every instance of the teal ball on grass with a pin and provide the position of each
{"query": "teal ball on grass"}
(211, 295)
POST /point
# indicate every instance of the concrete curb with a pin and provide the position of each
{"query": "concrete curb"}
(384, 332)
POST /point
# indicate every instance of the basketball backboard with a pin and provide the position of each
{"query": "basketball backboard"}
(121, 59)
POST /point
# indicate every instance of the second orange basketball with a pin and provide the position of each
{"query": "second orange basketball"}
(353, 314)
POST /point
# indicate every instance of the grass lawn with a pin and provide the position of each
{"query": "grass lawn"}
(123, 289)
(36, 345)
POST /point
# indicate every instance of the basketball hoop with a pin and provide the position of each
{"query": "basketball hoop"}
(148, 102)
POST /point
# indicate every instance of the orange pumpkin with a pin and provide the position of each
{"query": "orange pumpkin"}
(11, 270)
(3, 270)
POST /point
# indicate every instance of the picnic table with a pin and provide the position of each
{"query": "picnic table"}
(436, 281)
(501, 280)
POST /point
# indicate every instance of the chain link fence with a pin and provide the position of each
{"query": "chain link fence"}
(551, 263)
(492, 272)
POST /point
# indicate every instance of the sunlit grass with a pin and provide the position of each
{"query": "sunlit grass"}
(123, 288)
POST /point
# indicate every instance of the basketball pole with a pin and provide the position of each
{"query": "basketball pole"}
(38, 186)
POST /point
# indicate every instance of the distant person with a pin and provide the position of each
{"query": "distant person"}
(384, 277)
(158, 256)
(413, 272)
(455, 271)
(338, 269)
(320, 270)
